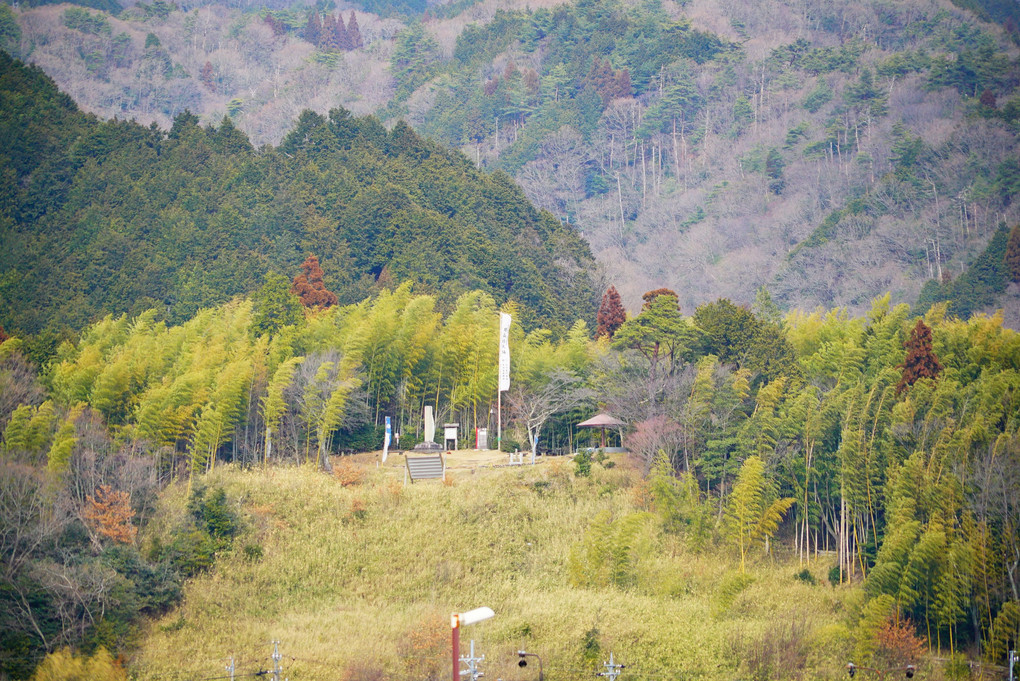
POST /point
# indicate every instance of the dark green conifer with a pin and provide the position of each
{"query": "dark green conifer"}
(1013, 254)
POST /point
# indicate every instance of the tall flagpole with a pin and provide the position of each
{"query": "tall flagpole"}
(504, 374)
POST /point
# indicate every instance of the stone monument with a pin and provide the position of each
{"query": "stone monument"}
(429, 445)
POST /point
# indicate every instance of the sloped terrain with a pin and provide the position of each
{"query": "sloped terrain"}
(828, 152)
(360, 581)
(111, 216)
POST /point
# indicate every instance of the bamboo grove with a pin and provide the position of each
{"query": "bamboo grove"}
(909, 485)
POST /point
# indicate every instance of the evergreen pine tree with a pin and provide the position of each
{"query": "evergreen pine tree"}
(1013, 254)
(650, 296)
(611, 314)
(920, 361)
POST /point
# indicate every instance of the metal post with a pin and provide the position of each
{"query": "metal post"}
(455, 628)
(457, 620)
(524, 663)
(472, 671)
(1012, 664)
(612, 669)
(230, 669)
(277, 670)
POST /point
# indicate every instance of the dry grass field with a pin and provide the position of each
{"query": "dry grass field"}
(356, 575)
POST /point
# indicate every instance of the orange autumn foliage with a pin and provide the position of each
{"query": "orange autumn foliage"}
(308, 285)
(424, 649)
(109, 513)
(897, 644)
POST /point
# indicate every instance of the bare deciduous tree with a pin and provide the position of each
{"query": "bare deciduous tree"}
(532, 406)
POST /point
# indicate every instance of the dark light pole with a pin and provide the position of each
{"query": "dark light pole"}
(524, 662)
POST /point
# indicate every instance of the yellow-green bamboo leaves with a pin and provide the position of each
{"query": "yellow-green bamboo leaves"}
(752, 514)
(273, 403)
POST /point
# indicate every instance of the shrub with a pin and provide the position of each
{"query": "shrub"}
(782, 653)
(212, 513)
(253, 553)
(358, 510)
(897, 644)
(805, 576)
(834, 573)
(63, 665)
(731, 587)
(191, 552)
(957, 667)
(363, 671)
(582, 464)
(364, 438)
(348, 474)
(422, 650)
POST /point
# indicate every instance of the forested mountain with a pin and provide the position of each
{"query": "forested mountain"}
(827, 151)
(110, 216)
(802, 152)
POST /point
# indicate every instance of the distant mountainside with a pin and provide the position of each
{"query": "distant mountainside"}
(100, 217)
(829, 152)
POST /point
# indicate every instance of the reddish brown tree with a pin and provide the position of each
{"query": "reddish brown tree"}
(275, 24)
(3, 336)
(602, 79)
(649, 296)
(611, 314)
(313, 28)
(897, 644)
(342, 40)
(920, 361)
(328, 36)
(354, 40)
(1013, 254)
(206, 76)
(109, 514)
(532, 81)
(308, 285)
(623, 84)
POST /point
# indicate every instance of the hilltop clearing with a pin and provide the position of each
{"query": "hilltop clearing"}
(358, 581)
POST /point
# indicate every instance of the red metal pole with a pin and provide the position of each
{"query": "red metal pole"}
(455, 628)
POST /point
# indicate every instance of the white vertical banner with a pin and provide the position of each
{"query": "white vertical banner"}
(504, 351)
(386, 440)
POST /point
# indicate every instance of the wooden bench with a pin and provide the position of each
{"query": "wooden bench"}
(427, 467)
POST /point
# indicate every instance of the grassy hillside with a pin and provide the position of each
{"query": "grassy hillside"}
(894, 440)
(355, 580)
